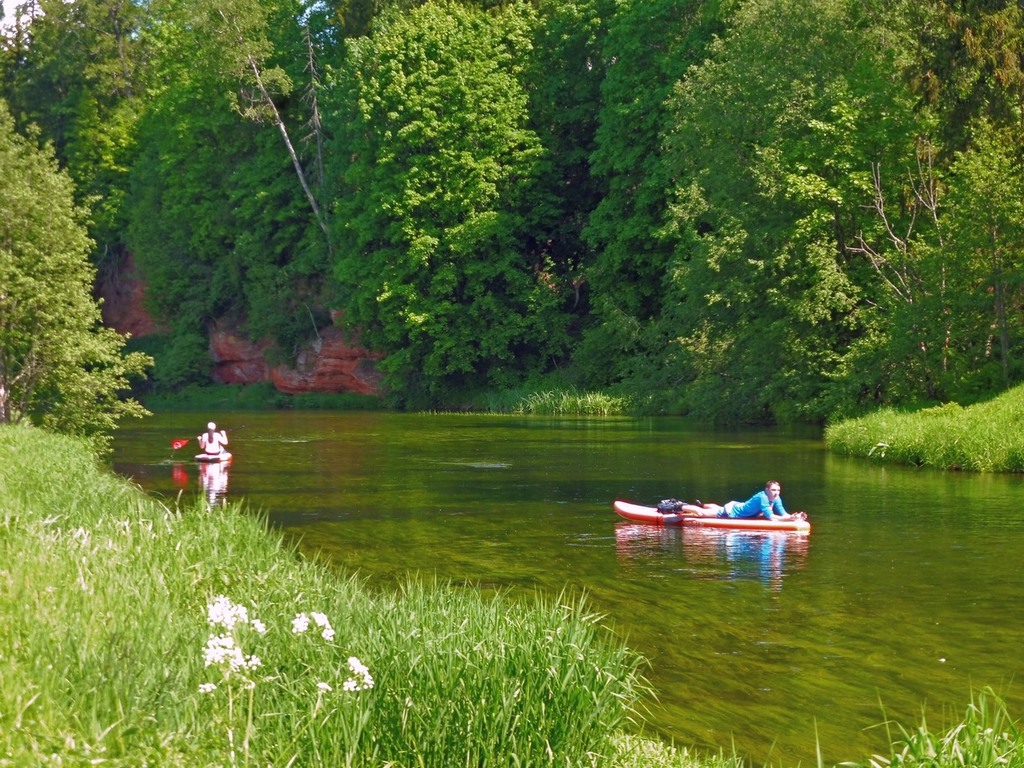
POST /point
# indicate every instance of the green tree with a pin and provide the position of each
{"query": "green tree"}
(775, 137)
(563, 80)
(945, 224)
(647, 49)
(439, 166)
(970, 64)
(985, 225)
(235, 36)
(59, 366)
(220, 224)
(75, 71)
(903, 351)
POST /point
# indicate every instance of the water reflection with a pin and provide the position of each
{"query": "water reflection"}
(714, 554)
(213, 480)
(179, 475)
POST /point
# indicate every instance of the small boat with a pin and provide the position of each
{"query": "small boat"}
(213, 458)
(641, 514)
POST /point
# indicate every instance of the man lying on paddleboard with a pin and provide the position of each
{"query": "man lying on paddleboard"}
(766, 504)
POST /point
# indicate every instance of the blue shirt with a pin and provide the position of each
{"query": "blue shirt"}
(758, 506)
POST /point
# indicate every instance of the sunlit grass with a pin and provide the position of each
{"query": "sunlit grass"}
(987, 737)
(555, 401)
(987, 437)
(636, 752)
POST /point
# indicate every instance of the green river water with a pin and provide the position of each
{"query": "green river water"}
(904, 599)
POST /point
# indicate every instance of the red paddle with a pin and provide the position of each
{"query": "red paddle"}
(179, 443)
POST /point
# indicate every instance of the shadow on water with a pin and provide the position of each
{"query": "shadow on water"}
(905, 596)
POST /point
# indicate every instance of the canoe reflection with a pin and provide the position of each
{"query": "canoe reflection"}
(714, 553)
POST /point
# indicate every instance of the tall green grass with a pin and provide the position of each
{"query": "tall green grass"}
(987, 737)
(987, 437)
(554, 401)
(108, 654)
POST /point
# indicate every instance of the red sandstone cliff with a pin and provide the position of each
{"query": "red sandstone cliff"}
(123, 294)
(333, 362)
(330, 363)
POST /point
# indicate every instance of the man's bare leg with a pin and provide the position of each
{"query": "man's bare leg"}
(705, 510)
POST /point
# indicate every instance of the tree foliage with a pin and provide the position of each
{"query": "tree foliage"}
(219, 219)
(59, 366)
(76, 71)
(758, 210)
(774, 156)
(441, 166)
(648, 48)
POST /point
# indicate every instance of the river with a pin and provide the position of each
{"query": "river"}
(904, 599)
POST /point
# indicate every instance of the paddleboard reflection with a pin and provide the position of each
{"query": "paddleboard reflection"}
(708, 553)
(213, 479)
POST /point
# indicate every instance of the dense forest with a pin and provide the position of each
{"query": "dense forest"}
(743, 210)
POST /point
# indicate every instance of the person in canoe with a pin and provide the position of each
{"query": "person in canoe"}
(766, 504)
(212, 441)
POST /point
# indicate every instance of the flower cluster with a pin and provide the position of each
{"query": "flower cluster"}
(222, 649)
(360, 679)
(301, 623)
(222, 612)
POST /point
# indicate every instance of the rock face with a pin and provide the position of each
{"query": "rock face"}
(236, 360)
(123, 308)
(330, 363)
(334, 362)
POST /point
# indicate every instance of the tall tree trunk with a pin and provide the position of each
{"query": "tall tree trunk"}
(267, 102)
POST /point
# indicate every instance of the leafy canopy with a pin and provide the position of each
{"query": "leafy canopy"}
(431, 215)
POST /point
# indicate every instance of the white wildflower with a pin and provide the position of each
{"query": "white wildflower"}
(226, 613)
(360, 679)
(302, 620)
(219, 648)
(324, 687)
(259, 626)
(207, 688)
(324, 623)
(221, 651)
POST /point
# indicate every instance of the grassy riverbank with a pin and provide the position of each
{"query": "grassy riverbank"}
(132, 633)
(986, 437)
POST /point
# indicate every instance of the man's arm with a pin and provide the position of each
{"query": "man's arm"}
(774, 509)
